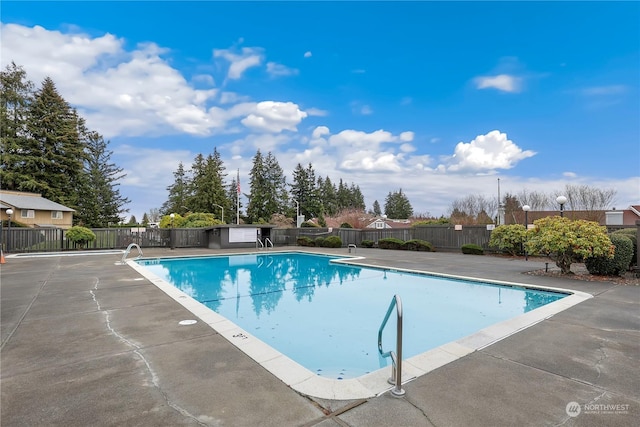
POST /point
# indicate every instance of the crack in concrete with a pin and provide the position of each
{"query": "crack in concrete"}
(136, 350)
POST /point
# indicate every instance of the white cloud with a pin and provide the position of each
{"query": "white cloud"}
(366, 110)
(227, 97)
(308, 54)
(503, 82)
(486, 153)
(604, 90)
(271, 116)
(316, 112)
(277, 70)
(320, 131)
(240, 62)
(406, 136)
(570, 174)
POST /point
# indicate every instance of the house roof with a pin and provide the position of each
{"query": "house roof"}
(31, 202)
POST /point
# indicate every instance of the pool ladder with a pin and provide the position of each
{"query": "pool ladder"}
(128, 250)
(262, 245)
(396, 357)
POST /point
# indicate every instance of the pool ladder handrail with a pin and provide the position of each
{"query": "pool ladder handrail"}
(262, 245)
(128, 250)
(396, 357)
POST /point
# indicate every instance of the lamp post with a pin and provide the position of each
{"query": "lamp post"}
(171, 233)
(297, 213)
(9, 213)
(526, 209)
(561, 201)
(222, 214)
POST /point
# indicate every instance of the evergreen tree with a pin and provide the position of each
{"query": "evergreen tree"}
(397, 206)
(54, 154)
(304, 190)
(343, 196)
(357, 199)
(328, 196)
(178, 193)
(132, 220)
(100, 202)
(376, 208)
(276, 186)
(207, 188)
(15, 98)
(145, 219)
(268, 189)
(233, 194)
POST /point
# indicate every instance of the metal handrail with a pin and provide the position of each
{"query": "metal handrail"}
(261, 244)
(268, 242)
(128, 250)
(396, 357)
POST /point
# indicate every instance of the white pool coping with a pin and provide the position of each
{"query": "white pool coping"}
(375, 383)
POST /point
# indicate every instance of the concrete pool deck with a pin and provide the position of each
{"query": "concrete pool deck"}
(88, 342)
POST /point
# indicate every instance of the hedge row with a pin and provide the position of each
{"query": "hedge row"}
(320, 242)
(409, 245)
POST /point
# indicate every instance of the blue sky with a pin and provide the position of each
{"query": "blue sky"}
(439, 99)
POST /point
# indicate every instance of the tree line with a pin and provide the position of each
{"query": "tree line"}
(46, 148)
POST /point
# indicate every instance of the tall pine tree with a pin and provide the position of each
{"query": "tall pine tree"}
(15, 97)
(54, 154)
(101, 202)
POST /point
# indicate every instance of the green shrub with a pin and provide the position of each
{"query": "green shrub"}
(508, 238)
(333, 242)
(616, 266)
(309, 224)
(631, 234)
(345, 225)
(367, 243)
(80, 235)
(390, 243)
(305, 241)
(319, 242)
(472, 249)
(418, 245)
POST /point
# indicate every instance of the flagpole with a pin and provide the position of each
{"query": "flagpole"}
(238, 199)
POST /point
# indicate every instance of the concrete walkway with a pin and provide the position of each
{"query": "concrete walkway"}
(88, 342)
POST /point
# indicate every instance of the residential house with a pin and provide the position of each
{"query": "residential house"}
(33, 210)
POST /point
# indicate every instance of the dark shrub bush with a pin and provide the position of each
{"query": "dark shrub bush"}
(418, 245)
(319, 242)
(390, 243)
(80, 235)
(631, 234)
(615, 266)
(367, 243)
(305, 241)
(333, 242)
(508, 238)
(309, 224)
(345, 225)
(472, 249)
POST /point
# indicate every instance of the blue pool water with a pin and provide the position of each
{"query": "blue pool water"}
(326, 316)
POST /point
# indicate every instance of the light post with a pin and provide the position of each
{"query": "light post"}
(297, 213)
(9, 213)
(171, 233)
(561, 201)
(526, 209)
(222, 214)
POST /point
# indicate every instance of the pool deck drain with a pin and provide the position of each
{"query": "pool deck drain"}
(84, 343)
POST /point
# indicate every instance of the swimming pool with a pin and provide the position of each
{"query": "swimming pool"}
(324, 314)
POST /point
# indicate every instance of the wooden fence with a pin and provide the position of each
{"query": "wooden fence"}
(442, 237)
